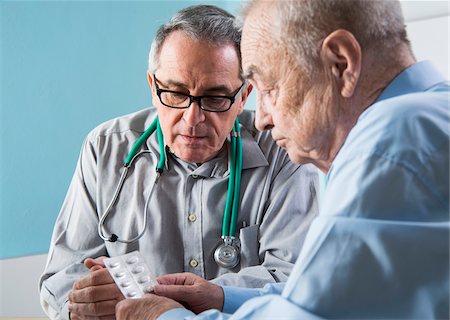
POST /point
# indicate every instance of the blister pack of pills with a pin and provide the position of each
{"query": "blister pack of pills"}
(131, 274)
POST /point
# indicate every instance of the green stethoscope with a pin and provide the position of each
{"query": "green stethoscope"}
(227, 254)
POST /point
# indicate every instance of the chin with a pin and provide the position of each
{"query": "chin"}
(297, 157)
(195, 155)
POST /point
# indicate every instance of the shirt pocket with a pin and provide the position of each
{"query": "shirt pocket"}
(248, 237)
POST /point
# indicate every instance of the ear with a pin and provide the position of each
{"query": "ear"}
(245, 93)
(150, 79)
(341, 53)
(151, 84)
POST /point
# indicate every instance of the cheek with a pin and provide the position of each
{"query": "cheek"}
(168, 119)
(222, 126)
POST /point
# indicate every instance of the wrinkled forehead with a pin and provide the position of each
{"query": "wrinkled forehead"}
(257, 45)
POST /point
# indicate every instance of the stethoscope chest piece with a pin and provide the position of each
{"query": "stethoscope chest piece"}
(227, 254)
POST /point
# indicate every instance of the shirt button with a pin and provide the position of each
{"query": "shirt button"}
(192, 217)
(193, 263)
(195, 176)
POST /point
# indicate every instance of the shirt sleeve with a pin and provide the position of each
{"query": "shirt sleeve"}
(266, 307)
(234, 297)
(291, 206)
(74, 238)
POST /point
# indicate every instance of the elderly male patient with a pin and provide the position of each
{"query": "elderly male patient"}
(176, 224)
(339, 87)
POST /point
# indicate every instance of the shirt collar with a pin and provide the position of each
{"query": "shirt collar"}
(419, 77)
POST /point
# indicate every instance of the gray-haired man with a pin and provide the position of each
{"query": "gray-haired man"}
(195, 79)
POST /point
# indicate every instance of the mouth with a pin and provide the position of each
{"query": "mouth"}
(279, 140)
(192, 139)
(281, 143)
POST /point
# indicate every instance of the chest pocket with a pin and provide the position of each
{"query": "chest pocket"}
(248, 237)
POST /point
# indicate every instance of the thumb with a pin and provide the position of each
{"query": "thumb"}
(94, 264)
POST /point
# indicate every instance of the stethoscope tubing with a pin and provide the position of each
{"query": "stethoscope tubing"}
(232, 201)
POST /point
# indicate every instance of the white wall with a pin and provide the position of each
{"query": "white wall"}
(19, 294)
(429, 40)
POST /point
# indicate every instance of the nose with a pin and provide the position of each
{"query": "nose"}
(263, 119)
(194, 115)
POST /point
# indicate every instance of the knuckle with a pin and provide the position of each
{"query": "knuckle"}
(90, 293)
(93, 308)
(95, 277)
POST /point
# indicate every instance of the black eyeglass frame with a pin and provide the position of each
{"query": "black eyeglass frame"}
(195, 98)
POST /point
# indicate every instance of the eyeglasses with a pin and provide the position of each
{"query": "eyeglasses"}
(179, 100)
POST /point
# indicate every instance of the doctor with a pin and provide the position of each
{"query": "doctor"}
(175, 215)
(338, 86)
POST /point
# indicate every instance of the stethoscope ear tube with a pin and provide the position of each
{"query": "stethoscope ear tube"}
(128, 161)
(113, 236)
(139, 142)
(237, 180)
(230, 212)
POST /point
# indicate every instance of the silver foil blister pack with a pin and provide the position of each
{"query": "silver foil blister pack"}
(131, 274)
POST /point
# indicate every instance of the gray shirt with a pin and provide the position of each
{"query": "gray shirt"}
(277, 203)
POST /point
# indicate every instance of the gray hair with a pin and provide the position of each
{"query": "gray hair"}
(201, 22)
(301, 25)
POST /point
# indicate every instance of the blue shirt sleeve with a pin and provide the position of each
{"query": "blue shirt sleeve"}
(234, 297)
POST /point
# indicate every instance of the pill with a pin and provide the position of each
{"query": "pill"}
(138, 269)
(114, 265)
(120, 275)
(132, 260)
(144, 279)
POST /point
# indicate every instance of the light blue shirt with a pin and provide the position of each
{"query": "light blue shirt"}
(380, 246)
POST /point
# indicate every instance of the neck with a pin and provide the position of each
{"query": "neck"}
(376, 75)
(379, 70)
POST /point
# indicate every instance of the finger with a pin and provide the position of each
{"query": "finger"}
(102, 308)
(175, 279)
(97, 277)
(174, 292)
(95, 293)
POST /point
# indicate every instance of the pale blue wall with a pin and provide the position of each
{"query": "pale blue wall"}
(65, 67)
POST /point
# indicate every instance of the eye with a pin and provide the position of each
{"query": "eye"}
(175, 98)
(268, 96)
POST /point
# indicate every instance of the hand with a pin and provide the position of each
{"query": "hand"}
(191, 290)
(148, 307)
(95, 295)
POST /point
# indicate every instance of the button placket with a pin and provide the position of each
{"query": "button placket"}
(193, 227)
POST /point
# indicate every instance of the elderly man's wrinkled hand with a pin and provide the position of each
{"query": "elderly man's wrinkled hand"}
(192, 291)
(148, 307)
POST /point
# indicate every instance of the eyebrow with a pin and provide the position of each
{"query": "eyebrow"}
(250, 72)
(219, 88)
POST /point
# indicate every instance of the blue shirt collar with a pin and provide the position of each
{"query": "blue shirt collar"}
(419, 77)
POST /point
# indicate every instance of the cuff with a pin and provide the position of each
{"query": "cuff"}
(234, 297)
(178, 313)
